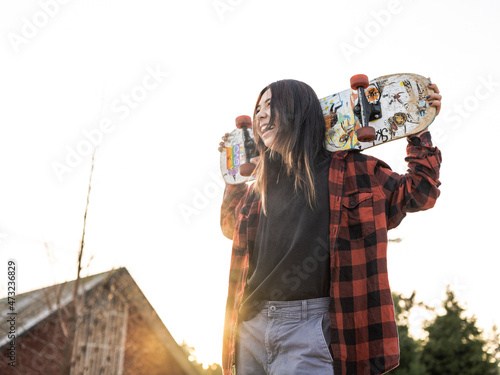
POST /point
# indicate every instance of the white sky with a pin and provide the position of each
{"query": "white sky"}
(165, 80)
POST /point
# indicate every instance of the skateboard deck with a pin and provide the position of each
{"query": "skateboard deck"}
(233, 156)
(402, 107)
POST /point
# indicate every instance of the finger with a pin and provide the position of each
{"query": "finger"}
(432, 97)
(255, 160)
(437, 104)
(434, 87)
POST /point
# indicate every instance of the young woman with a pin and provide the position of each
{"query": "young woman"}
(308, 287)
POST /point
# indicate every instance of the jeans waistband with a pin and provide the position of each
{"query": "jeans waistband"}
(296, 309)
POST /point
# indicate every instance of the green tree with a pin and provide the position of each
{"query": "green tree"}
(454, 345)
(411, 349)
(493, 345)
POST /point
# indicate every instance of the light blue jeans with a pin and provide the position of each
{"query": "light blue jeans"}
(286, 338)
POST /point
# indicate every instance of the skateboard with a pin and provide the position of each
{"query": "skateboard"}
(237, 154)
(368, 114)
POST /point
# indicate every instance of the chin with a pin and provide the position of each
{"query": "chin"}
(268, 142)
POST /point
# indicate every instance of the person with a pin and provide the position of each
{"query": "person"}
(308, 285)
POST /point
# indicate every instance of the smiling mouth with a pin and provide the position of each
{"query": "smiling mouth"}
(266, 128)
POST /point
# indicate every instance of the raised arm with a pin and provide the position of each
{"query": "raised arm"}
(416, 190)
(228, 213)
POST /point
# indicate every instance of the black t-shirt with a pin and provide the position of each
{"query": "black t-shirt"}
(291, 257)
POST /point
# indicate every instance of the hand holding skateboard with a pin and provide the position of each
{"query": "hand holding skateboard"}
(238, 152)
(224, 140)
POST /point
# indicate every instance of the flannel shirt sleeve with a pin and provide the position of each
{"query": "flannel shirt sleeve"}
(233, 195)
(418, 189)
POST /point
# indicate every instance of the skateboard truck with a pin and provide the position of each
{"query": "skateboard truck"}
(364, 110)
(244, 123)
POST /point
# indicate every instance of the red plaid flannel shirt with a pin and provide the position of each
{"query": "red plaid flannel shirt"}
(366, 200)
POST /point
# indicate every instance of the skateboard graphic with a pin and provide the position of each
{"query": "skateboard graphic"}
(238, 150)
(391, 107)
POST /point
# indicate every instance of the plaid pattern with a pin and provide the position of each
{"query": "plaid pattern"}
(366, 200)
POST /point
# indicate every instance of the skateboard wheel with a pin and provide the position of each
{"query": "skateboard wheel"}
(359, 80)
(247, 169)
(366, 134)
(243, 122)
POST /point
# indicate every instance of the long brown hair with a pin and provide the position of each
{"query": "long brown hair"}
(299, 139)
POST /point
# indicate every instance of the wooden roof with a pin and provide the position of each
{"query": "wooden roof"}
(37, 305)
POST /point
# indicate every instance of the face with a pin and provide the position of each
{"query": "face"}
(263, 115)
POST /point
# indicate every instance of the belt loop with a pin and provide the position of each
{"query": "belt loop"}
(304, 309)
